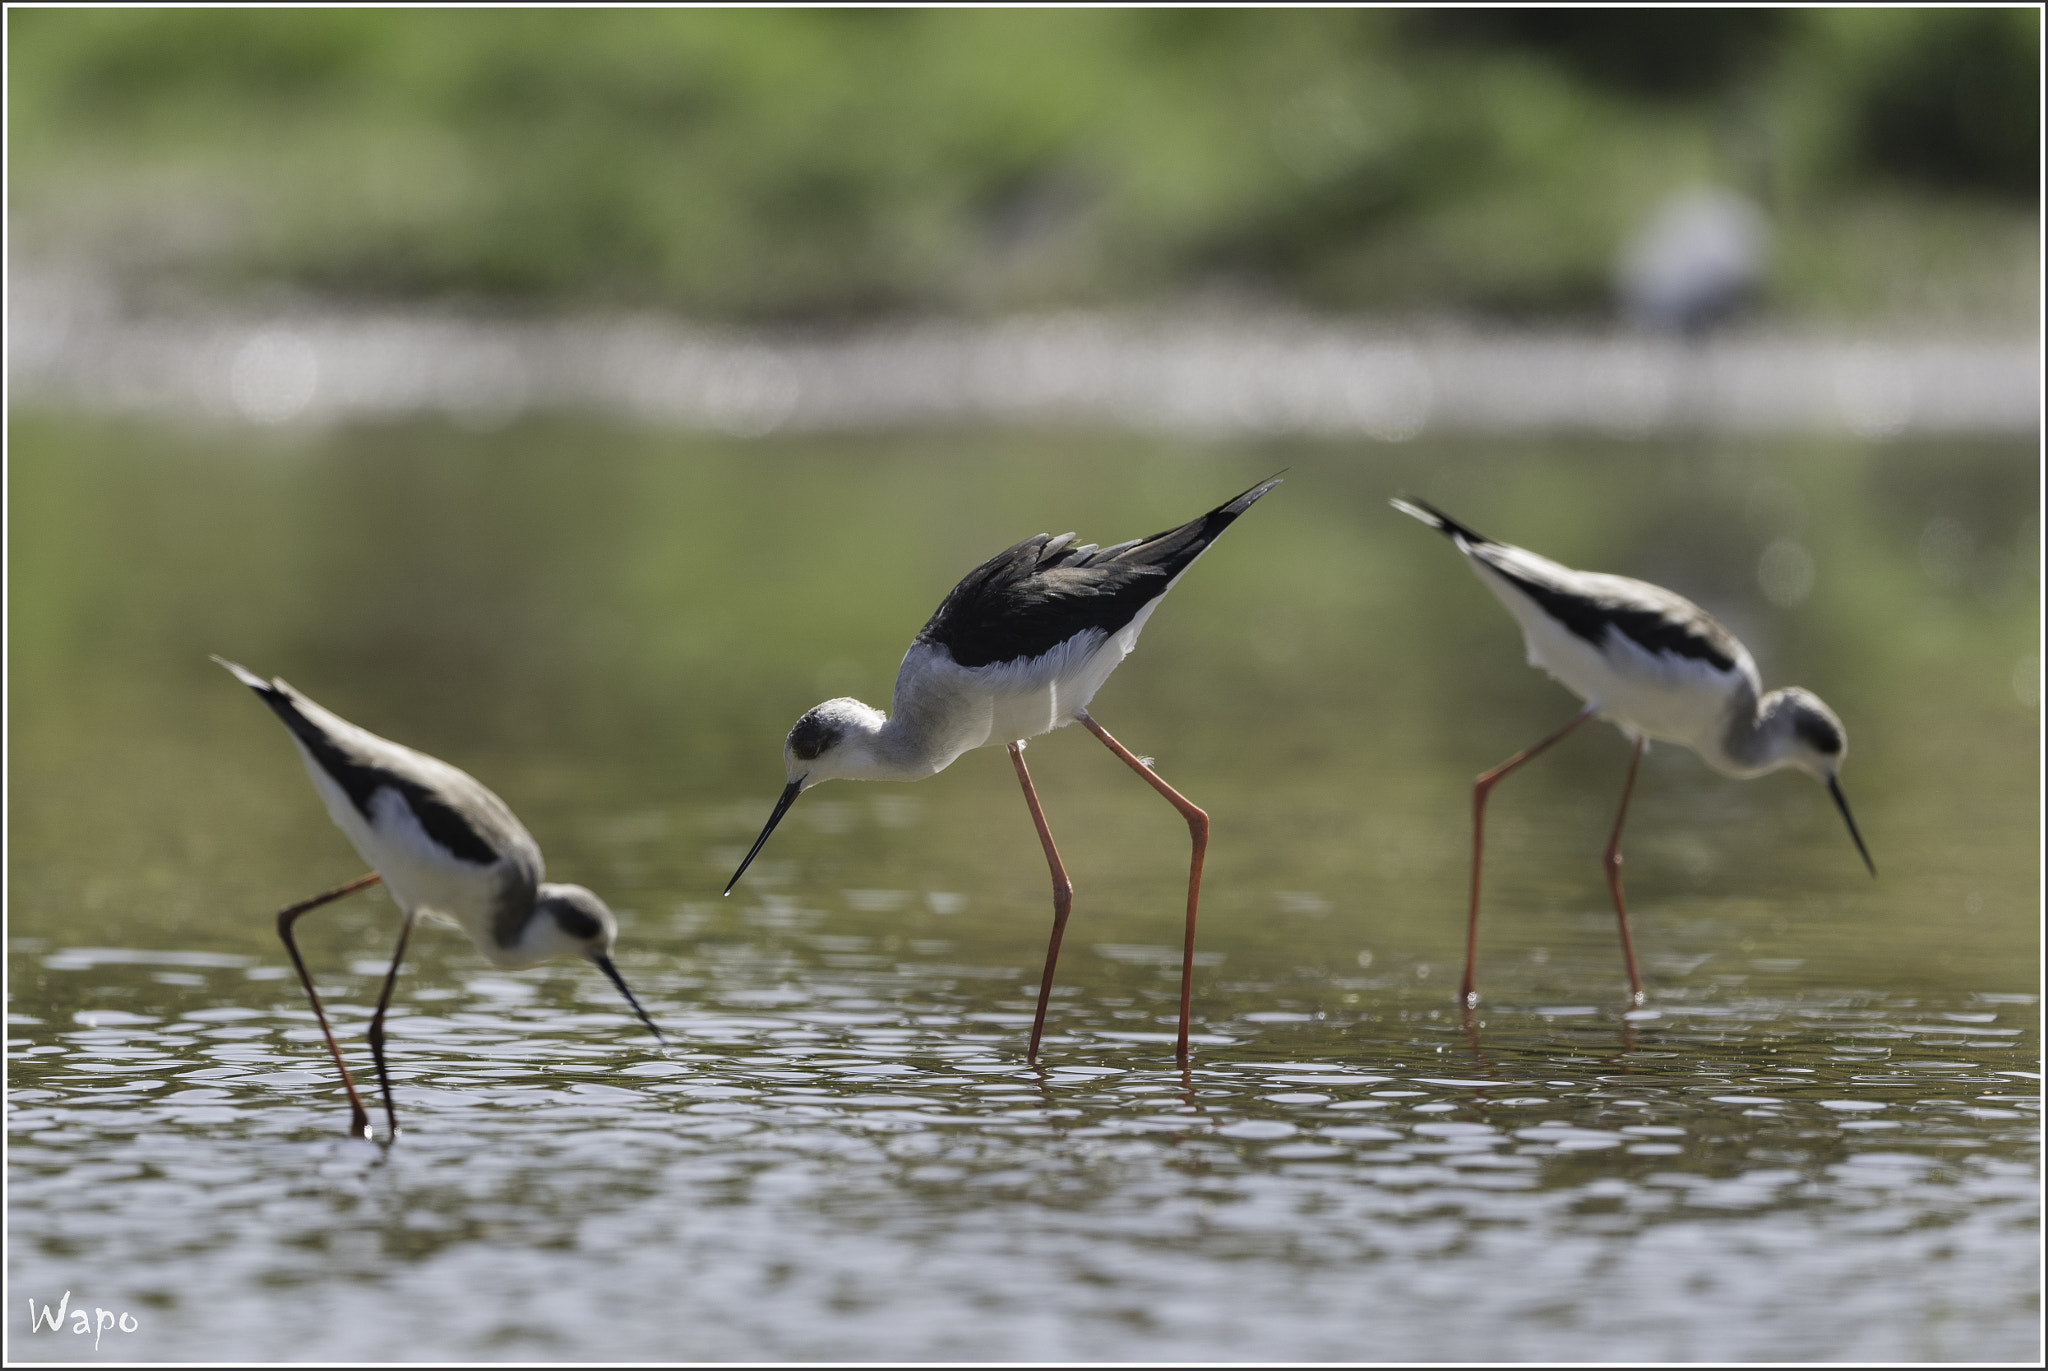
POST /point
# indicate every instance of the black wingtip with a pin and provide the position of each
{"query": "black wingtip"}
(285, 703)
(244, 675)
(1443, 523)
(1245, 501)
(276, 694)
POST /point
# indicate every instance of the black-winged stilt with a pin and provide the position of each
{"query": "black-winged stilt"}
(444, 846)
(1017, 649)
(1655, 665)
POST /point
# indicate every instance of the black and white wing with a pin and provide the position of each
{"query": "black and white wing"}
(381, 781)
(1026, 601)
(1591, 605)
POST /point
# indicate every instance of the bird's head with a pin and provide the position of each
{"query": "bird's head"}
(1809, 736)
(831, 740)
(569, 918)
(1812, 737)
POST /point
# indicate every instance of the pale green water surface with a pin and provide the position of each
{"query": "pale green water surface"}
(1821, 1143)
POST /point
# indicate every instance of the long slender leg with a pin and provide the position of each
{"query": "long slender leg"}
(359, 1119)
(1198, 832)
(377, 1024)
(1612, 860)
(1062, 894)
(1481, 788)
(1187, 1088)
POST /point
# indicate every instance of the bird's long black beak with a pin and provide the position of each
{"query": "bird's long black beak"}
(605, 965)
(1835, 789)
(789, 794)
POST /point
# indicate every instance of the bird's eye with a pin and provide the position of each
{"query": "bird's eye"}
(810, 738)
(1818, 734)
(576, 923)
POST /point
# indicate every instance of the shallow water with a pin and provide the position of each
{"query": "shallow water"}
(1818, 1143)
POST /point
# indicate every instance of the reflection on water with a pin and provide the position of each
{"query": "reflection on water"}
(1819, 1143)
(851, 1160)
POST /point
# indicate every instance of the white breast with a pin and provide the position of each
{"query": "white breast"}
(941, 709)
(1035, 695)
(1040, 694)
(421, 876)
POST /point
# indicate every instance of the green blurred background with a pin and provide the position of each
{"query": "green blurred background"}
(826, 167)
(818, 165)
(611, 620)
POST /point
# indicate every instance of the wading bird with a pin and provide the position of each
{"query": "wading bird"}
(1017, 649)
(1655, 665)
(444, 846)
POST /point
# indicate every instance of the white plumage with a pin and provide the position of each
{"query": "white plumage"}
(1657, 666)
(1018, 648)
(445, 847)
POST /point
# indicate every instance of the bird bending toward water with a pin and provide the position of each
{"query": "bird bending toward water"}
(1017, 649)
(444, 846)
(1655, 665)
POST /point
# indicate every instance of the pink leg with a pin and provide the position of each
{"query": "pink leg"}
(1198, 831)
(1612, 860)
(1480, 790)
(1062, 895)
(377, 1026)
(359, 1118)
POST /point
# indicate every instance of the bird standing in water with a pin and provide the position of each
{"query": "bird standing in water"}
(1017, 649)
(444, 846)
(1655, 665)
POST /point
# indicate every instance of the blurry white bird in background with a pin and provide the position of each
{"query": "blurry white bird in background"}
(1694, 261)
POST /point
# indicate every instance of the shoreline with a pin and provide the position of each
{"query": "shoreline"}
(1189, 372)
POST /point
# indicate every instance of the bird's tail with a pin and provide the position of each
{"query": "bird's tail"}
(1172, 551)
(283, 701)
(1232, 508)
(1438, 520)
(246, 676)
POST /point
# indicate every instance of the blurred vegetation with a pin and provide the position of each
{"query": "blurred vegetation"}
(820, 164)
